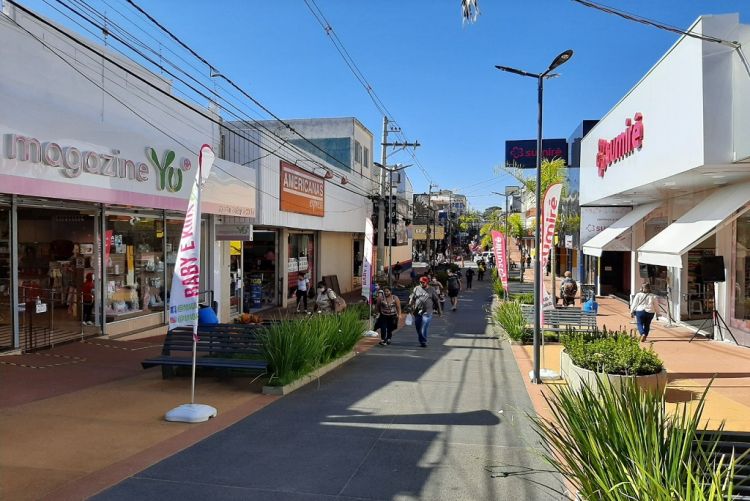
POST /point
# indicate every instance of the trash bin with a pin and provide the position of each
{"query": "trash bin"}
(207, 315)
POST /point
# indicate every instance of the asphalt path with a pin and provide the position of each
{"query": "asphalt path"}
(446, 422)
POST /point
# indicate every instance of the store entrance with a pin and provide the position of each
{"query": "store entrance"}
(259, 269)
(58, 276)
(615, 274)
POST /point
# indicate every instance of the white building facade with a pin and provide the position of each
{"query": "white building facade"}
(676, 149)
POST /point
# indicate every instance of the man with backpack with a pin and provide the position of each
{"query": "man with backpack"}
(454, 287)
(568, 289)
(423, 301)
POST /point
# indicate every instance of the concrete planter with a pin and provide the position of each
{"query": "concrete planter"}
(317, 373)
(576, 377)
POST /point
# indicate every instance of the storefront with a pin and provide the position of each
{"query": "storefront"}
(94, 186)
(675, 160)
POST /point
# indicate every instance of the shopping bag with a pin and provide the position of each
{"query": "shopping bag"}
(409, 319)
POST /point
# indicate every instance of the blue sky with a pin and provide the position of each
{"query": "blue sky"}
(435, 74)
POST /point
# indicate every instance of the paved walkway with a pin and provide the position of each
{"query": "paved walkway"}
(398, 422)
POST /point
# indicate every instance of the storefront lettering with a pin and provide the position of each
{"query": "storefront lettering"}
(621, 146)
(72, 160)
(170, 178)
(303, 185)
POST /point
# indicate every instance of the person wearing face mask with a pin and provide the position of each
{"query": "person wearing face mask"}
(389, 310)
(324, 299)
(423, 301)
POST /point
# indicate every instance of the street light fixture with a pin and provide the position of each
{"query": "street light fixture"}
(562, 58)
(390, 171)
(509, 192)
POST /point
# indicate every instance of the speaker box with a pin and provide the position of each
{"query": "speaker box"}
(712, 269)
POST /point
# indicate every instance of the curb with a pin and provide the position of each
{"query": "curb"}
(307, 378)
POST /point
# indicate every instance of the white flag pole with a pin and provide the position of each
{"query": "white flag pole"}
(185, 299)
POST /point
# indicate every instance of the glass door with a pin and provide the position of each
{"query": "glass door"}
(58, 276)
(6, 313)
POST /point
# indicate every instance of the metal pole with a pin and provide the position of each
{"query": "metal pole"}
(381, 205)
(537, 246)
(390, 228)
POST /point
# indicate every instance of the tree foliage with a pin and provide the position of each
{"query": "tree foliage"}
(469, 219)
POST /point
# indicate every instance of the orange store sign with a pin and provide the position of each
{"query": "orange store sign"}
(301, 191)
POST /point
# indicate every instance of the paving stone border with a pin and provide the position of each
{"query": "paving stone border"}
(307, 378)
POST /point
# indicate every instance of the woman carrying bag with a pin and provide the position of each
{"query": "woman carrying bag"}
(389, 310)
(644, 307)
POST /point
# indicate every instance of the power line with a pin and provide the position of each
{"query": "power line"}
(105, 29)
(126, 70)
(662, 26)
(354, 68)
(218, 74)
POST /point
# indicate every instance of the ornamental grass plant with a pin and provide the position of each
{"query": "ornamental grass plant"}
(294, 348)
(622, 444)
(510, 317)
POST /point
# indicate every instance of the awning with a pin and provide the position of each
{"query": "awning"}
(606, 239)
(667, 247)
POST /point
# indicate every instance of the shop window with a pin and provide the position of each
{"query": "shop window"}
(742, 267)
(259, 271)
(135, 262)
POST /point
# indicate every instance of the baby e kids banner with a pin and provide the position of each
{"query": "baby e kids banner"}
(550, 208)
(498, 244)
(183, 298)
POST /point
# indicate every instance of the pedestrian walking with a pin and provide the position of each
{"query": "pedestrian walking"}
(481, 268)
(423, 301)
(324, 300)
(645, 307)
(528, 261)
(389, 311)
(397, 270)
(413, 275)
(469, 278)
(303, 285)
(454, 287)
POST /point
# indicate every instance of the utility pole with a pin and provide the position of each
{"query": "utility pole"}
(382, 191)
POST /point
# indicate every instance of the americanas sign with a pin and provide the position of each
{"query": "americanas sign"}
(623, 145)
(301, 191)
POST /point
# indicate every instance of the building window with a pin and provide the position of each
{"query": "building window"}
(367, 157)
(357, 152)
(742, 267)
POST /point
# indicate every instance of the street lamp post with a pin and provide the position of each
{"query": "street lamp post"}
(509, 192)
(559, 60)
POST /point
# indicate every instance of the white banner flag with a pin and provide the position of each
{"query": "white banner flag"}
(183, 296)
(550, 208)
(367, 262)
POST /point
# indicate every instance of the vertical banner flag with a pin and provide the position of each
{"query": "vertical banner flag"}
(498, 244)
(183, 297)
(550, 208)
(367, 262)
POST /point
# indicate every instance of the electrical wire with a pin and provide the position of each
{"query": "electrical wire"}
(649, 22)
(354, 68)
(56, 52)
(104, 29)
(219, 74)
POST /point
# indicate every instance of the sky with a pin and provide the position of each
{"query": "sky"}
(434, 73)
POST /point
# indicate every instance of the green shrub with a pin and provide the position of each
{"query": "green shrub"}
(294, 348)
(510, 317)
(614, 445)
(524, 298)
(497, 288)
(615, 353)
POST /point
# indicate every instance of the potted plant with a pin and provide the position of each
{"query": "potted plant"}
(612, 357)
